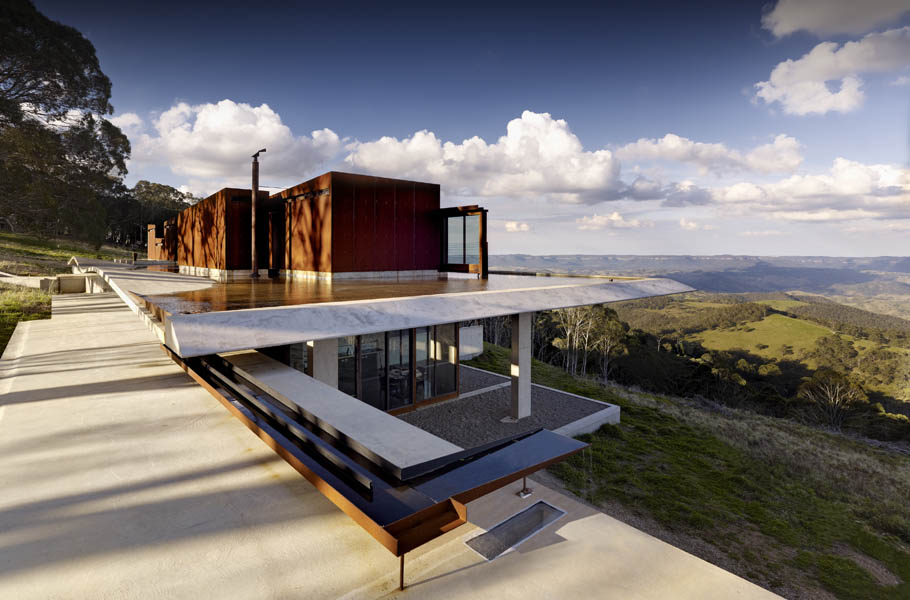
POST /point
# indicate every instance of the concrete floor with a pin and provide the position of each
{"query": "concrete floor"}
(121, 478)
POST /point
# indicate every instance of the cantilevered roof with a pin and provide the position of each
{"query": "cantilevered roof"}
(201, 317)
(332, 310)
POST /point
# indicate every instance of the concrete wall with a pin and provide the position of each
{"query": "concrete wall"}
(470, 342)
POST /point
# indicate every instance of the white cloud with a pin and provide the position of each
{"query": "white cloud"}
(688, 225)
(612, 221)
(515, 227)
(826, 214)
(879, 227)
(849, 190)
(212, 143)
(824, 17)
(902, 80)
(129, 123)
(783, 154)
(686, 193)
(801, 86)
(538, 156)
(762, 233)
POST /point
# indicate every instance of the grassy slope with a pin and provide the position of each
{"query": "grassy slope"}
(26, 255)
(785, 505)
(20, 304)
(774, 331)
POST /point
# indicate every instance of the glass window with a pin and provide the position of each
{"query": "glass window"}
(399, 364)
(423, 363)
(347, 365)
(455, 240)
(372, 370)
(297, 355)
(445, 353)
(472, 239)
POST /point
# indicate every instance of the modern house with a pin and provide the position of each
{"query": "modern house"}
(361, 318)
(337, 225)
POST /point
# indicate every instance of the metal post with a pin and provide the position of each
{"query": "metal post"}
(525, 491)
(253, 262)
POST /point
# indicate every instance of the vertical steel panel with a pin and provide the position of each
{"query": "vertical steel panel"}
(386, 254)
(404, 224)
(342, 225)
(427, 229)
(365, 252)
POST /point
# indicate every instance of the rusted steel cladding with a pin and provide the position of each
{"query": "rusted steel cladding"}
(308, 246)
(308, 225)
(381, 224)
(238, 228)
(200, 233)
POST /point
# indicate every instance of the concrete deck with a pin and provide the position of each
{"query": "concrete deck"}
(122, 478)
(386, 440)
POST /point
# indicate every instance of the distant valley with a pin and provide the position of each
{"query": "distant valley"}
(877, 284)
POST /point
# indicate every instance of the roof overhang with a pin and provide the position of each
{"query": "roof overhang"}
(224, 331)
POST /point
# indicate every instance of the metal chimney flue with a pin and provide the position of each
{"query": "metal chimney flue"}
(253, 262)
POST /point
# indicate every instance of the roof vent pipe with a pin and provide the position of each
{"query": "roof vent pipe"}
(253, 263)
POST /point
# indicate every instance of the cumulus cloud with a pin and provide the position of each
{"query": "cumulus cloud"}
(688, 225)
(823, 17)
(802, 86)
(538, 156)
(849, 190)
(515, 227)
(129, 123)
(826, 214)
(902, 80)
(762, 233)
(686, 193)
(783, 154)
(214, 142)
(611, 221)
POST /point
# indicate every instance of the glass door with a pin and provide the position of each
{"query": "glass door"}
(399, 368)
(423, 364)
(372, 370)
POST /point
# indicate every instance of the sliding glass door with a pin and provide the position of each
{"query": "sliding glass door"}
(373, 376)
(399, 368)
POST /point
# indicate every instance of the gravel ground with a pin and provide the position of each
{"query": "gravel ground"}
(475, 379)
(474, 421)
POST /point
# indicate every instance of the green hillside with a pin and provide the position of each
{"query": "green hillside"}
(799, 511)
(768, 337)
(28, 255)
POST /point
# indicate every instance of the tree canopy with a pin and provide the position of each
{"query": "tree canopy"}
(61, 162)
(47, 69)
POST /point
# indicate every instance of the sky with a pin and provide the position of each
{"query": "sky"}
(769, 128)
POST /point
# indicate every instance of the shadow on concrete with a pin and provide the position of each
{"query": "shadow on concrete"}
(134, 385)
(65, 528)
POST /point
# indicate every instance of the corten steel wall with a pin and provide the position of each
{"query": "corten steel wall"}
(381, 224)
(153, 250)
(200, 233)
(162, 240)
(308, 225)
(237, 228)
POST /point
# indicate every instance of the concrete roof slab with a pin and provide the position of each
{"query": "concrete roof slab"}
(223, 331)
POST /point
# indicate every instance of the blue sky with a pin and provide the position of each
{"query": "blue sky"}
(636, 127)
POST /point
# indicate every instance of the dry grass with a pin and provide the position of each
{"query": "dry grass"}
(20, 304)
(26, 255)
